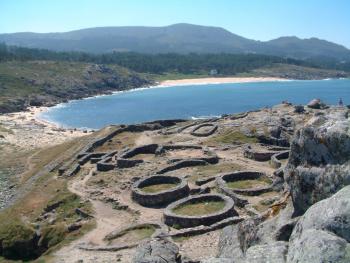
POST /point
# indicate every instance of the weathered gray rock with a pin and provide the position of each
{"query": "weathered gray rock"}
(255, 240)
(323, 232)
(319, 163)
(219, 260)
(278, 228)
(315, 104)
(237, 246)
(157, 251)
(299, 109)
(273, 253)
(229, 244)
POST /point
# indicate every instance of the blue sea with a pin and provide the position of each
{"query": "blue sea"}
(192, 101)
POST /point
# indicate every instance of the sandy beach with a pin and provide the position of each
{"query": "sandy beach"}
(203, 81)
(27, 131)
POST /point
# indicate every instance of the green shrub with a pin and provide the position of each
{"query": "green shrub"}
(52, 235)
(18, 241)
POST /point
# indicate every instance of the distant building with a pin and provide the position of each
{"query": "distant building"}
(213, 72)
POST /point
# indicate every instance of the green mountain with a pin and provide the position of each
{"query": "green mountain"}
(178, 38)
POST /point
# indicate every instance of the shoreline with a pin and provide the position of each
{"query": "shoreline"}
(162, 84)
(27, 131)
(223, 80)
(32, 115)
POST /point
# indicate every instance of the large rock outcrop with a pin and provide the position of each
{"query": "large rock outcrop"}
(315, 226)
(323, 232)
(157, 251)
(319, 163)
(256, 241)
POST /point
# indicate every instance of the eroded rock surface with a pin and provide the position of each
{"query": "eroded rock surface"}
(157, 251)
(319, 163)
(323, 232)
(315, 225)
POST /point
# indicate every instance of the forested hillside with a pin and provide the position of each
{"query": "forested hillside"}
(225, 64)
(178, 38)
(41, 77)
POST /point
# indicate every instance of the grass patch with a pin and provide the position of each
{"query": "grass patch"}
(213, 169)
(155, 188)
(16, 240)
(134, 235)
(68, 202)
(119, 142)
(246, 184)
(232, 137)
(44, 191)
(199, 208)
(176, 75)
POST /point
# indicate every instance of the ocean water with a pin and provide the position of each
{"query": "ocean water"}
(192, 101)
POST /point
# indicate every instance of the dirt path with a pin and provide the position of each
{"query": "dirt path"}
(144, 139)
(107, 220)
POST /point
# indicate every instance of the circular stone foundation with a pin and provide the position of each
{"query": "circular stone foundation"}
(132, 234)
(261, 152)
(199, 210)
(159, 190)
(204, 130)
(244, 183)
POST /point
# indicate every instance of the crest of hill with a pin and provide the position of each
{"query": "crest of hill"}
(178, 38)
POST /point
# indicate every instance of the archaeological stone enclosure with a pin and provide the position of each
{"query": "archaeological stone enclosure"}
(185, 182)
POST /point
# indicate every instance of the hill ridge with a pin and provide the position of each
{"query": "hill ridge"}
(176, 38)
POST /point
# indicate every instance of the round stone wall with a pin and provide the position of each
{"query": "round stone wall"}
(184, 221)
(237, 176)
(160, 198)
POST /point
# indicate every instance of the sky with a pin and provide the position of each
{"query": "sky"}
(255, 19)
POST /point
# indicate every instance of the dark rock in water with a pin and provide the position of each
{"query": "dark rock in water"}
(323, 232)
(157, 251)
(319, 162)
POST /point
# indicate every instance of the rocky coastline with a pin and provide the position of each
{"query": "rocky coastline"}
(62, 81)
(275, 215)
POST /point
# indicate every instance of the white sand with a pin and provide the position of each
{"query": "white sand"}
(25, 130)
(202, 81)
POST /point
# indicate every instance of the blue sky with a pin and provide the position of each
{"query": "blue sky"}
(255, 19)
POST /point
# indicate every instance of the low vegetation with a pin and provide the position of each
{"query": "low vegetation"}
(213, 169)
(134, 234)
(231, 137)
(155, 188)
(45, 215)
(199, 208)
(246, 184)
(45, 83)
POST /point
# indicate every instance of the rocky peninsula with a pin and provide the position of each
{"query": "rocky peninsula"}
(269, 185)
